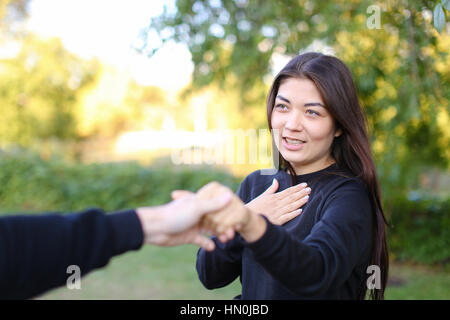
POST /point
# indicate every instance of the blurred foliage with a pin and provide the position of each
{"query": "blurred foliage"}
(12, 11)
(439, 14)
(113, 103)
(401, 67)
(49, 96)
(31, 184)
(420, 229)
(38, 91)
(40, 82)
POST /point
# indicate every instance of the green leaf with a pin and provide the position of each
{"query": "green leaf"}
(439, 17)
(446, 4)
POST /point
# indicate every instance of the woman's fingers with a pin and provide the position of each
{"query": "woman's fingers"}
(222, 222)
(295, 204)
(289, 216)
(227, 235)
(218, 222)
(273, 187)
(301, 202)
(292, 190)
(228, 216)
(204, 242)
(225, 220)
(206, 224)
(289, 206)
(294, 197)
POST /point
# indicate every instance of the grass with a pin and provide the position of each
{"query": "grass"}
(169, 274)
(418, 282)
(151, 273)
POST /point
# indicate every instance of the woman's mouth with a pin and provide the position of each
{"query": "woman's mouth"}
(293, 144)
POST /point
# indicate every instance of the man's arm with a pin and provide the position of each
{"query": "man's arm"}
(35, 250)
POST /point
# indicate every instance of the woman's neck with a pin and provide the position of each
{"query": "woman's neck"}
(316, 166)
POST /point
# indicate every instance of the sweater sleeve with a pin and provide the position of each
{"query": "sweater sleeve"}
(327, 256)
(36, 250)
(222, 266)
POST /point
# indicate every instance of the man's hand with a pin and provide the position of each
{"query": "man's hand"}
(178, 222)
(234, 217)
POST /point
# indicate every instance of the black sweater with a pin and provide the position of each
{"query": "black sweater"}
(35, 250)
(321, 254)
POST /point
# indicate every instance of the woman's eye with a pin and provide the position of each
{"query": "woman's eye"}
(281, 107)
(312, 112)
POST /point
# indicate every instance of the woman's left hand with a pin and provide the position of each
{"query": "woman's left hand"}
(281, 207)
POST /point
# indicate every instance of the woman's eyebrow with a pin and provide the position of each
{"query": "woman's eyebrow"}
(314, 104)
(279, 96)
(309, 104)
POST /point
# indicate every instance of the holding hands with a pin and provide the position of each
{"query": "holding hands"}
(217, 210)
(177, 222)
(279, 208)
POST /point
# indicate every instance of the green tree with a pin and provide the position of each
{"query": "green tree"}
(38, 92)
(39, 82)
(400, 63)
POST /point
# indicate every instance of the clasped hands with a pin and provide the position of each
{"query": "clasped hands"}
(246, 219)
(231, 217)
(216, 210)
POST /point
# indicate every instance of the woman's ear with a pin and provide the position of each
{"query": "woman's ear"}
(338, 133)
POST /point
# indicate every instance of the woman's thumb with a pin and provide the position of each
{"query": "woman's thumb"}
(273, 187)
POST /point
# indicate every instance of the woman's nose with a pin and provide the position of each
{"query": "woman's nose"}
(294, 123)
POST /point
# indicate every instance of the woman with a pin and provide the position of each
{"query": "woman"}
(319, 130)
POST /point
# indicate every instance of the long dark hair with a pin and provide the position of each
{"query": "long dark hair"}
(351, 150)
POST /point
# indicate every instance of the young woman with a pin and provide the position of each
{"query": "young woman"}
(320, 132)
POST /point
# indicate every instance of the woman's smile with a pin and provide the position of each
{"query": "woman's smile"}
(293, 144)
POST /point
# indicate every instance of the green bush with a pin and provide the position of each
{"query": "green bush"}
(420, 229)
(30, 184)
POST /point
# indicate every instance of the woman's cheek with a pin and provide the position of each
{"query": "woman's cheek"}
(320, 130)
(277, 125)
(278, 120)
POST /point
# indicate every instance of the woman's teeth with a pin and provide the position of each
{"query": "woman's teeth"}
(293, 141)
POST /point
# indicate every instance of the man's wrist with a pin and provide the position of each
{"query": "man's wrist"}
(150, 221)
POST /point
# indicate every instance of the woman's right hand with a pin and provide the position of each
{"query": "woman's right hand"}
(283, 206)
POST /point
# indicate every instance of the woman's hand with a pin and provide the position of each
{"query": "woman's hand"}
(221, 223)
(279, 208)
(178, 222)
(234, 217)
(283, 206)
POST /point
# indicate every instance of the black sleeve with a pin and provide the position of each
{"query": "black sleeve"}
(327, 256)
(35, 250)
(222, 266)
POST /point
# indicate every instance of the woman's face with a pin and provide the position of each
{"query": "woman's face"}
(305, 128)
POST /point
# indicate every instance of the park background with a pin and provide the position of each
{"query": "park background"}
(95, 96)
